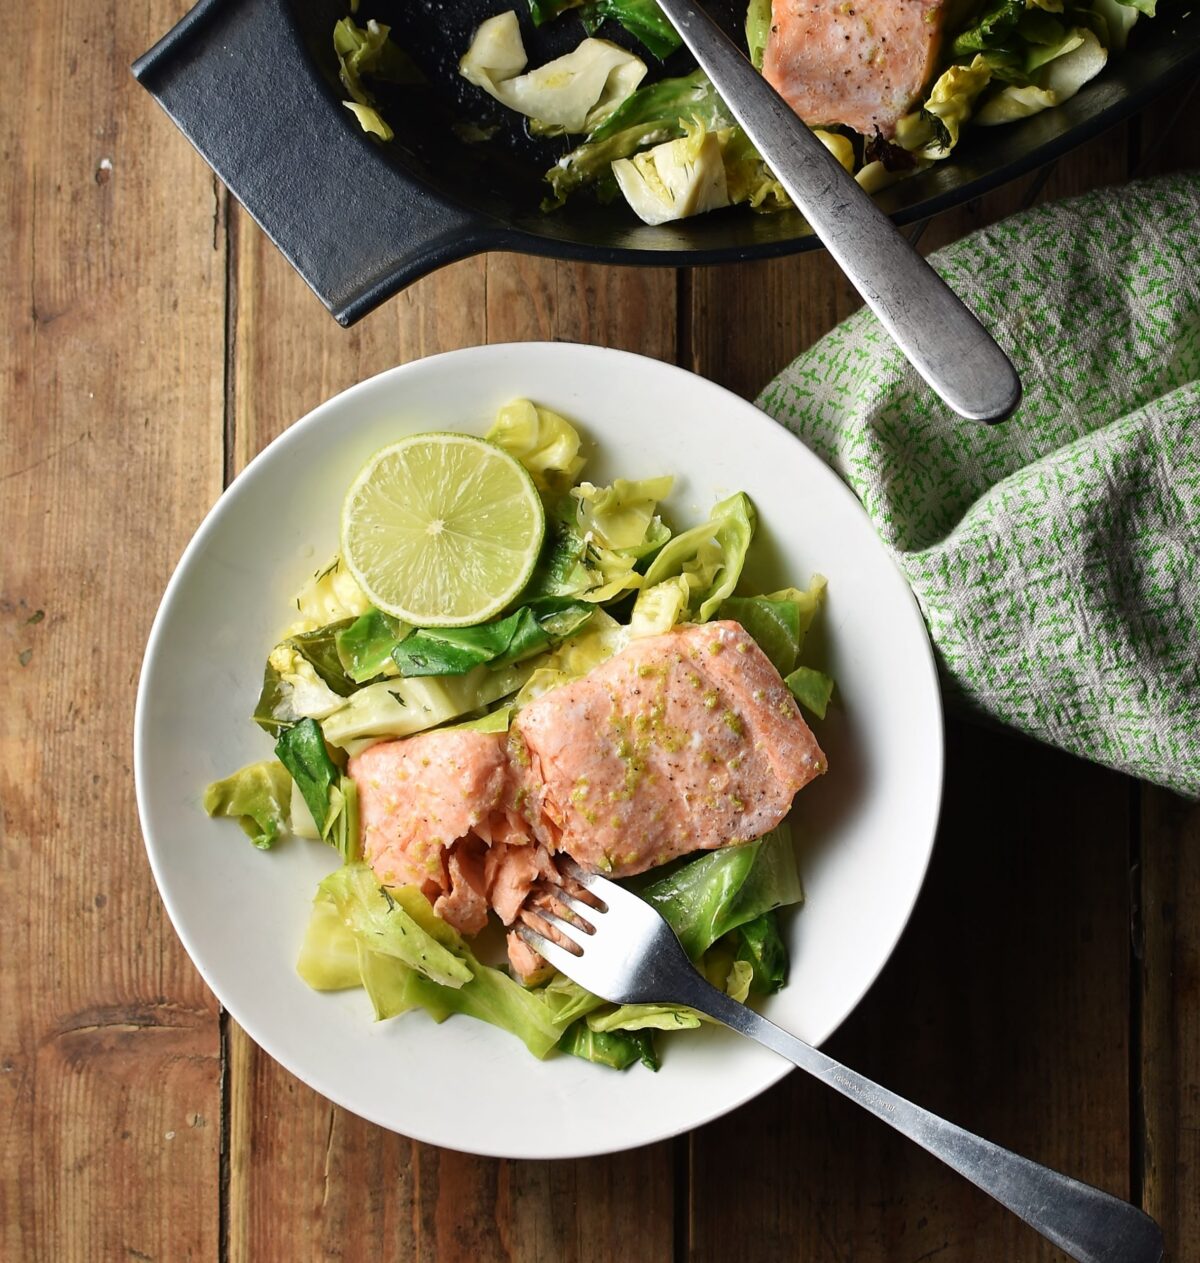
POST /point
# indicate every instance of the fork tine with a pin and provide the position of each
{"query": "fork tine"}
(559, 957)
(562, 895)
(589, 881)
(560, 923)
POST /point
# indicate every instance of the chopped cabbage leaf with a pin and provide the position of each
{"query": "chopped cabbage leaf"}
(491, 996)
(760, 947)
(720, 967)
(622, 515)
(934, 130)
(774, 625)
(273, 711)
(778, 621)
(993, 27)
(330, 797)
(618, 1049)
(842, 147)
(659, 608)
(560, 570)
(567, 1000)
(303, 824)
(811, 688)
(383, 919)
(457, 650)
(573, 93)
(332, 594)
(641, 1017)
(368, 53)
(706, 897)
(649, 116)
(709, 557)
(329, 954)
(399, 708)
(704, 170)
(302, 751)
(545, 443)
(319, 648)
(370, 120)
(676, 179)
(643, 19)
(258, 797)
(385, 980)
(603, 638)
(364, 647)
(291, 685)
(758, 30)
(543, 11)
(596, 538)
(1078, 59)
(304, 677)
(1118, 18)
(738, 980)
(410, 958)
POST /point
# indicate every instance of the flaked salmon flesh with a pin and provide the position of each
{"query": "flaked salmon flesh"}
(859, 63)
(682, 742)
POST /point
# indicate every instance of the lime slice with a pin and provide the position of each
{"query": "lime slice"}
(442, 530)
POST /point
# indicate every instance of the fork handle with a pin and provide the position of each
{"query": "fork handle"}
(943, 341)
(1090, 1225)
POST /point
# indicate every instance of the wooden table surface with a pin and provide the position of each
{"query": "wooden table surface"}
(1045, 993)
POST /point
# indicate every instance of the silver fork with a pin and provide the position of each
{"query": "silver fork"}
(623, 951)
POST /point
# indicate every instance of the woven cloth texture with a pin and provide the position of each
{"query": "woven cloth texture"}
(1056, 556)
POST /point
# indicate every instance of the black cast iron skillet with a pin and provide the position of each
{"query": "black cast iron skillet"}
(253, 84)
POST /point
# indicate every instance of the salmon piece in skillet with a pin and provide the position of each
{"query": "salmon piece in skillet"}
(683, 742)
(861, 63)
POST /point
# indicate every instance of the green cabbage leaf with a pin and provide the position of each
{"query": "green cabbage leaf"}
(401, 707)
(456, 650)
(545, 443)
(708, 558)
(258, 797)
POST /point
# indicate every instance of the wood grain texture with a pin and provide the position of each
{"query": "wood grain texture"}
(306, 1178)
(111, 416)
(1168, 952)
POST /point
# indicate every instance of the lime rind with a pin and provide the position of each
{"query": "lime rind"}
(442, 529)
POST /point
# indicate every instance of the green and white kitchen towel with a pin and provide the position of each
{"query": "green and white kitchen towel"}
(1056, 557)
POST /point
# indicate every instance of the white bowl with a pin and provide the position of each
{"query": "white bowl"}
(866, 828)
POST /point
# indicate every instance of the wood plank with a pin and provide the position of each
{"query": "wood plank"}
(1169, 973)
(110, 394)
(308, 1179)
(1006, 1005)
(747, 322)
(1167, 942)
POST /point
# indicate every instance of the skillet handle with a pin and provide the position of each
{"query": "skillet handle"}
(235, 77)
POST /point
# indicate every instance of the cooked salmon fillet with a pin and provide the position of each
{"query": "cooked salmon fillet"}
(682, 742)
(861, 63)
(437, 812)
(419, 795)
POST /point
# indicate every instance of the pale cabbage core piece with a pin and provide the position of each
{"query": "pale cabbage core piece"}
(573, 93)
